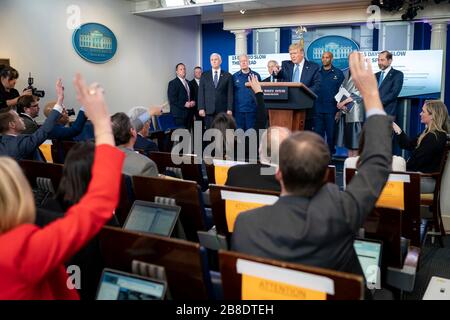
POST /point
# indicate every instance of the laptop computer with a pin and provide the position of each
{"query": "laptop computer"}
(154, 218)
(438, 289)
(369, 256)
(118, 285)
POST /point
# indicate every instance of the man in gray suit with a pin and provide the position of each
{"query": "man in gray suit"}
(215, 92)
(125, 136)
(313, 222)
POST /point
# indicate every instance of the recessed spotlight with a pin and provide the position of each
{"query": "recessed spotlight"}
(242, 11)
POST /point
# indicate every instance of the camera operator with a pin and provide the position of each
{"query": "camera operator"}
(9, 95)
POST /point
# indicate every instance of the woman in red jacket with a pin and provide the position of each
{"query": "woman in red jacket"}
(32, 259)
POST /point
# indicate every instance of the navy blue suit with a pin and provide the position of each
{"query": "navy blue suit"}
(145, 144)
(178, 96)
(61, 132)
(310, 77)
(390, 89)
(25, 146)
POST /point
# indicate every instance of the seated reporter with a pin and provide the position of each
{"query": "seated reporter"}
(313, 222)
(63, 132)
(28, 110)
(141, 119)
(428, 148)
(20, 146)
(261, 175)
(125, 135)
(73, 186)
(33, 258)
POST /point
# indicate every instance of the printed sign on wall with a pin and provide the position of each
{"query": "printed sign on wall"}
(94, 42)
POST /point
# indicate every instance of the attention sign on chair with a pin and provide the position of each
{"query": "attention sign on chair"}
(265, 282)
(237, 202)
(393, 193)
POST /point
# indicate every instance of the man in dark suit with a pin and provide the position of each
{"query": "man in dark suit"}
(140, 119)
(61, 131)
(261, 175)
(215, 92)
(390, 82)
(181, 99)
(23, 146)
(301, 70)
(28, 110)
(194, 83)
(270, 66)
(26, 146)
(315, 223)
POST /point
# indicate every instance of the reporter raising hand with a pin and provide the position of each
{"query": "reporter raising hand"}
(93, 99)
(32, 258)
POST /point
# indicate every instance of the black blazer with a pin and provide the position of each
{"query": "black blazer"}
(178, 96)
(320, 231)
(390, 89)
(310, 74)
(194, 91)
(249, 176)
(427, 157)
(215, 100)
(145, 144)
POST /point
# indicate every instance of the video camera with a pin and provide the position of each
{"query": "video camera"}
(36, 92)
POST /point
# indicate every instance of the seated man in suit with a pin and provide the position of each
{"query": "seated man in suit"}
(23, 146)
(298, 69)
(314, 223)
(28, 110)
(125, 135)
(61, 131)
(390, 83)
(141, 119)
(261, 175)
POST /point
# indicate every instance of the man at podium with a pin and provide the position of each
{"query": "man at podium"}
(300, 70)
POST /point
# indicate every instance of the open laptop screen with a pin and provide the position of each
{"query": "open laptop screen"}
(116, 285)
(153, 218)
(369, 256)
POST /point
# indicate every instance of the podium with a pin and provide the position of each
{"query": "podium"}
(287, 103)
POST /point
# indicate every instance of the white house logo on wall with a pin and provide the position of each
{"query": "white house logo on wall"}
(339, 46)
(94, 42)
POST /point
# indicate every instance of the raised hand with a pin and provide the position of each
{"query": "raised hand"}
(254, 83)
(59, 91)
(155, 110)
(93, 100)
